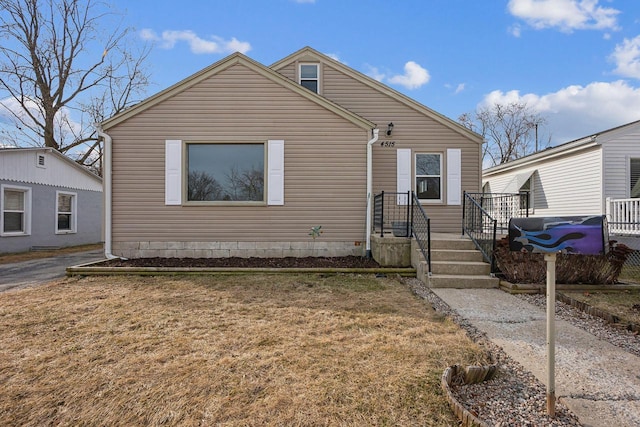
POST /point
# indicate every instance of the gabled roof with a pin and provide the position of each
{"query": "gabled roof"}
(14, 166)
(562, 149)
(306, 52)
(223, 64)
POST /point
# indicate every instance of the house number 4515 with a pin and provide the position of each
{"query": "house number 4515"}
(387, 143)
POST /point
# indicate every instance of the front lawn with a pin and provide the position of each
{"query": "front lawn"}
(225, 350)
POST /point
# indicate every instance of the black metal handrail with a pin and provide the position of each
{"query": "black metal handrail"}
(481, 228)
(403, 215)
(392, 212)
(503, 206)
(421, 229)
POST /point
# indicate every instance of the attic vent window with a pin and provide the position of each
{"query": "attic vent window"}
(40, 160)
(310, 77)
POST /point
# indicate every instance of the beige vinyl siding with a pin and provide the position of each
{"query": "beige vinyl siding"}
(412, 129)
(617, 151)
(325, 165)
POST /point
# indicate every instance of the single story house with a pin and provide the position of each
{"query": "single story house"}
(595, 175)
(243, 159)
(47, 201)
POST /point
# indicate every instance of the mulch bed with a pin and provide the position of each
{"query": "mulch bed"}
(287, 262)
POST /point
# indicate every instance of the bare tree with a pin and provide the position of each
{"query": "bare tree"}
(247, 184)
(510, 130)
(203, 186)
(61, 71)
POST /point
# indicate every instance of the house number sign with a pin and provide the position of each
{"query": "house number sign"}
(387, 144)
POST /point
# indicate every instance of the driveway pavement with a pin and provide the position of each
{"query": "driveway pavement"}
(599, 382)
(36, 272)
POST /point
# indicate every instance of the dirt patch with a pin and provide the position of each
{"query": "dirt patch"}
(287, 262)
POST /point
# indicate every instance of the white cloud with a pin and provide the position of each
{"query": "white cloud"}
(374, 73)
(459, 88)
(414, 76)
(197, 45)
(17, 124)
(566, 15)
(335, 56)
(627, 58)
(576, 111)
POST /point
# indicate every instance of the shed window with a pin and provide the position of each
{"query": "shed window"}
(429, 176)
(634, 175)
(66, 212)
(16, 207)
(310, 77)
(225, 172)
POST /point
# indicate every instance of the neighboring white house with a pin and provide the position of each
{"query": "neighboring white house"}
(47, 200)
(578, 177)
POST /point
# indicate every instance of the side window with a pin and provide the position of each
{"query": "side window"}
(225, 172)
(16, 211)
(309, 75)
(429, 176)
(66, 212)
(634, 178)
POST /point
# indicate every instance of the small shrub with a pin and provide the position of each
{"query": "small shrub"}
(527, 267)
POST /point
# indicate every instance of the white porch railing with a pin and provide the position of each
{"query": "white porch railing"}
(623, 216)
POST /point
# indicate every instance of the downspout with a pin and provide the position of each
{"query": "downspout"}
(106, 182)
(369, 187)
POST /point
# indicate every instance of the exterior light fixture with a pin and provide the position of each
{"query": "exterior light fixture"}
(389, 128)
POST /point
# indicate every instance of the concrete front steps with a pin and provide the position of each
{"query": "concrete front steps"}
(455, 263)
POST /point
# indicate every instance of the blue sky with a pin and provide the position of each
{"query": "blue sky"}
(577, 62)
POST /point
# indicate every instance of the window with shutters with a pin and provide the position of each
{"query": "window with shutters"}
(16, 211)
(66, 212)
(429, 176)
(634, 181)
(310, 76)
(218, 172)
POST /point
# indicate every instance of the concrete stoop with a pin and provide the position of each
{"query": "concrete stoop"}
(455, 263)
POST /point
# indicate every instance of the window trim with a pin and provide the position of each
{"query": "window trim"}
(73, 222)
(185, 176)
(27, 210)
(317, 79)
(629, 175)
(441, 176)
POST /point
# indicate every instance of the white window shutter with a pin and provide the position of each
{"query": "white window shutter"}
(173, 172)
(403, 170)
(454, 176)
(275, 172)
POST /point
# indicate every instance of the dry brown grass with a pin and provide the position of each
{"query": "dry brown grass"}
(229, 351)
(624, 304)
(7, 258)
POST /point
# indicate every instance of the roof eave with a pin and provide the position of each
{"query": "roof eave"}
(457, 127)
(222, 65)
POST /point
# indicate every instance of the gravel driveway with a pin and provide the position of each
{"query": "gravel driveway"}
(36, 272)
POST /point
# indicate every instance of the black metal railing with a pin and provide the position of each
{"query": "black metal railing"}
(392, 213)
(480, 226)
(502, 207)
(402, 215)
(421, 229)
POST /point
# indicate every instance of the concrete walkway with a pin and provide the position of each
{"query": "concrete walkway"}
(38, 271)
(599, 382)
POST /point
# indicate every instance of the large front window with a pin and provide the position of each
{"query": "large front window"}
(429, 176)
(16, 206)
(225, 172)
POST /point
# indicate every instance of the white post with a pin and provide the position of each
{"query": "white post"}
(550, 258)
